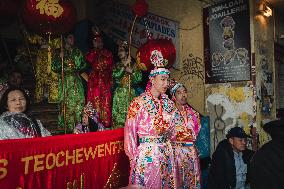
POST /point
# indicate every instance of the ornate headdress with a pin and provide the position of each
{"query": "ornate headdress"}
(123, 44)
(159, 62)
(96, 32)
(174, 85)
(90, 111)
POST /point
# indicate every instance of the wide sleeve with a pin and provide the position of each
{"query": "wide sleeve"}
(44, 132)
(90, 56)
(8, 132)
(197, 123)
(79, 60)
(174, 123)
(118, 73)
(130, 129)
(105, 61)
(56, 63)
(137, 76)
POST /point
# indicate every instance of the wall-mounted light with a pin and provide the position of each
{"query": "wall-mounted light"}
(265, 10)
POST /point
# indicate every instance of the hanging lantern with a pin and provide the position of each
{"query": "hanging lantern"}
(8, 11)
(140, 8)
(49, 16)
(144, 52)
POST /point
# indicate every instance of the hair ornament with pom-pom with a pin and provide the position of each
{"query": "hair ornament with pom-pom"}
(158, 61)
(174, 85)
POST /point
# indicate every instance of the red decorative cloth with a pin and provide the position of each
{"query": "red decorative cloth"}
(93, 160)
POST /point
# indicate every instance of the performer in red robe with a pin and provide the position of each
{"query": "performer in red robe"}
(99, 80)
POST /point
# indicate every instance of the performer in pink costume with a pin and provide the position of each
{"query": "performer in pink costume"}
(99, 80)
(187, 129)
(149, 132)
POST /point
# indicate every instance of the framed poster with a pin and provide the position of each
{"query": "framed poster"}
(227, 42)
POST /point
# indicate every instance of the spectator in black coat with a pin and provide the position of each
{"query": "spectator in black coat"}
(229, 162)
(267, 166)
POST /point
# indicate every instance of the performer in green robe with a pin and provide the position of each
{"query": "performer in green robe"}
(71, 95)
(122, 95)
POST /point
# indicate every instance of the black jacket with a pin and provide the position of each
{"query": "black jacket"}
(222, 173)
(267, 166)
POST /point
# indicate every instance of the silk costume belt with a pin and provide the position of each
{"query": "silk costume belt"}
(186, 144)
(152, 140)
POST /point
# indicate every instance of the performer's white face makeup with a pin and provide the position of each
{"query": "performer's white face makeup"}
(181, 96)
(98, 43)
(160, 83)
(16, 102)
(85, 119)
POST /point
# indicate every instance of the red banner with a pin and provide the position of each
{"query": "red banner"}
(91, 160)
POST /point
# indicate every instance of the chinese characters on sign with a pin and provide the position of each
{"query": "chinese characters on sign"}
(50, 7)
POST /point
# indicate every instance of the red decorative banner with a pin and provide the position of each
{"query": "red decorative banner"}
(92, 160)
(54, 16)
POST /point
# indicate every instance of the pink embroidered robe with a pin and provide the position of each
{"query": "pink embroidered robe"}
(188, 168)
(148, 137)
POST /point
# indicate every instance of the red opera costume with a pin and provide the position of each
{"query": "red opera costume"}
(99, 83)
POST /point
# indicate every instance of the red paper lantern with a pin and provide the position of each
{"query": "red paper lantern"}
(54, 16)
(144, 52)
(140, 8)
(8, 11)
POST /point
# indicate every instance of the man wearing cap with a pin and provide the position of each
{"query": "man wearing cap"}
(267, 165)
(230, 162)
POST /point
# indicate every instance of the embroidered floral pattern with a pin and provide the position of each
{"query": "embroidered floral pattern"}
(148, 131)
(187, 157)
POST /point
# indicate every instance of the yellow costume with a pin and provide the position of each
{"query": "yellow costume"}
(46, 79)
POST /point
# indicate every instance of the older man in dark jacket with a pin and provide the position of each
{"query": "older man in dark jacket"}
(267, 166)
(229, 162)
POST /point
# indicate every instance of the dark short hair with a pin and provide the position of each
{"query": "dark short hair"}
(92, 125)
(65, 35)
(15, 70)
(4, 99)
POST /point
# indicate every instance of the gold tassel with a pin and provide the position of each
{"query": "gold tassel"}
(49, 54)
(82, 181)
(114, 179)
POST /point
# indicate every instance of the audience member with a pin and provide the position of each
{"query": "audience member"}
(15, 79)
(230, 162)
(90, 121)
(14, 120)
(267, 165)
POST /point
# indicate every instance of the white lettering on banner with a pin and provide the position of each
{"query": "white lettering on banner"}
(227, 9)
(120, 18)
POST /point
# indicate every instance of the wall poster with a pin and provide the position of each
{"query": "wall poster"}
(227, 42)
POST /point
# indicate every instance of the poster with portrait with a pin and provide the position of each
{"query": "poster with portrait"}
(227, 42)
